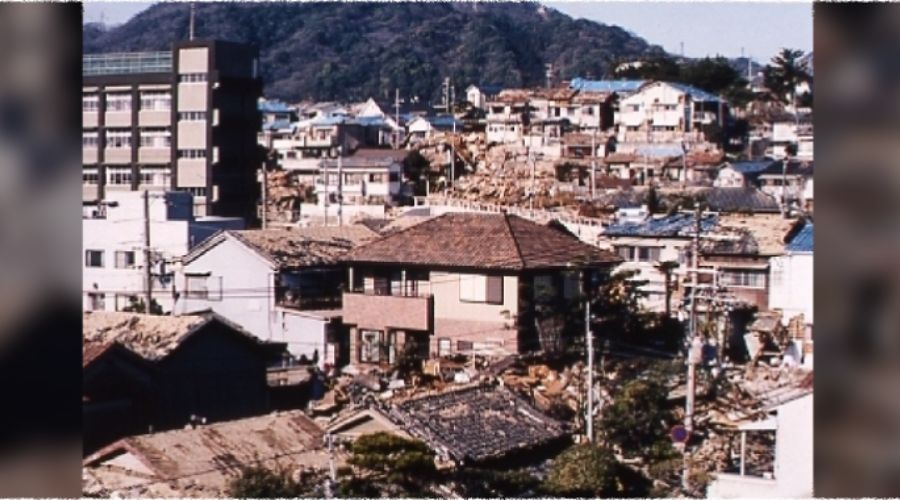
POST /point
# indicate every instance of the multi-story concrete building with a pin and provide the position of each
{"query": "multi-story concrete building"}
(668, 112)
(113, 269)
(184, 120)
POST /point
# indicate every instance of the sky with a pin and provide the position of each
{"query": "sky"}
(761, 29)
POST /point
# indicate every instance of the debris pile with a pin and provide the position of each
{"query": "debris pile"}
(285, 193)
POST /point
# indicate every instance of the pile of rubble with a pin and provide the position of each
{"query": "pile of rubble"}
(284, 195)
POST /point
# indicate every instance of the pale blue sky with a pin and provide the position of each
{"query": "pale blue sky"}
(705, 28)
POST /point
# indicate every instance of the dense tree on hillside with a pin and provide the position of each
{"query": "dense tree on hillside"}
(350, 51)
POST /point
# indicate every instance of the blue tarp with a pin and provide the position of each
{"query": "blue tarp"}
(803, 241)
(607, 85)
(668, 226)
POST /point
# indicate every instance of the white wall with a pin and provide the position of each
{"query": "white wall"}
(794, 448)
(791, 290)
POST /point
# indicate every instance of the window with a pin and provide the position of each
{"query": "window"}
(192, 116)
(195, 191)
(192, 78)
(96, 301)
(156, 101)
(90, 139)
(464, 345)
(93, 258)
(124, 259)
(196, 287)
(480, 288)
(90, 102)
(748, 279)
(444, 345)
(118, 139)
(91, 177)
(394, 177)
(648, 254)
(370, 346)
(377, 178)
(118, 176)
(626, 253)
(118, 102)
(156, 138)
(155, 176)
(192, 153)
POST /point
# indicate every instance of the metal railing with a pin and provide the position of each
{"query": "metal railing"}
(126, 63)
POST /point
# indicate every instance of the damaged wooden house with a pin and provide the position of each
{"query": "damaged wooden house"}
(463, 283)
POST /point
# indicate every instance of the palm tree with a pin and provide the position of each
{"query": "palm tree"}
(785, 73)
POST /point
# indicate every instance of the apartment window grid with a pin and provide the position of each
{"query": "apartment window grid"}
(90, 102)
(639, 254)
(118, 176)
(90, 177)
(195, 191)
(156, 138)
(118, 139)
(192, 78)
(118, 102)
(192, 116)
(156, 101)
(192, 154)
(90, 139)
(155, 176)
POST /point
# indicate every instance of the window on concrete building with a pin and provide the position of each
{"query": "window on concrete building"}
(192, 153)
(192, 78)
(648, 254)
(90, 102)
(118, 176)
(195, 191)
(192, 116)
(444, 346)
(481, 288)
(118, 102)
(743, 278)
(96, 301)
(156, 101)
(124, 259)
(93, 258)
(156, 176)
(118, 139)
(156, 138)
(90, 177)
(203, 287)
(90, 139)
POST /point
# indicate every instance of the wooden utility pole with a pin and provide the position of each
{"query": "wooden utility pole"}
(148, 272)
(692, 354)
(590, 367)
(340, 160)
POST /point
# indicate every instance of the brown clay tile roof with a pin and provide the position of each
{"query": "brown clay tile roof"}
(201, 461)
(620, 158)
(483, 241)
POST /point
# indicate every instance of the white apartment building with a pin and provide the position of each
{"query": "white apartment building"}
(113, 265)
(667, 112)
(368, 176)
(792, 277)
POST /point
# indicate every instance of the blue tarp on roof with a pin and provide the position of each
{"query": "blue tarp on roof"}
(751, 167)
(695, 93)
(277, 125)
(274, 107)
(327, 121)
(606, 85)
(803, 241)
(668, 226)
(371, 121)
(443, 121)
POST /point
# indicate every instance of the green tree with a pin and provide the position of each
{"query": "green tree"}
(638, 419)
(489, 483)
(784, 74)
(583, 470)
(667, 267)
(260, 482)
(714, 75)
(656, 68)
(384, 463)
(136, 305)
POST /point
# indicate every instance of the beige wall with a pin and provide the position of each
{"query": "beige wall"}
(191, 173)
(381, 312)
(89, 119)
(154, 118)
(117, 156)
(192, 135)
(192, 96)
(117, 119)
(154, 155)
(445, 288)
(89, 192)
(193, 60)
(89, 155)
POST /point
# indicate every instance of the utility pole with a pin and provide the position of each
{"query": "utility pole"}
(531, 198)
(324, 164)
(340, 161)
(692, 353)
(265, 181)
(148, 272)
(397, 117)
(590, 367)
(332, 474)
(593, 163)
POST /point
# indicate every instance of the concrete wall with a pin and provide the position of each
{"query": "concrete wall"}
(193, 60)
(447, 304)
(794, 448)
(791, 285)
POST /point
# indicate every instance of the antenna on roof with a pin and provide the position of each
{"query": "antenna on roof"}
(191, 25)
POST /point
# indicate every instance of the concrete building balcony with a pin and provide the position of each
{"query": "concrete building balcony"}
(380, 312)
(117, 119)
(151, 118)
(154, 155)
(89, 119)
(117, 156)
(89, 156)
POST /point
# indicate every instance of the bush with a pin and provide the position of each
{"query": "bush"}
(583, 471)
(260, 482)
